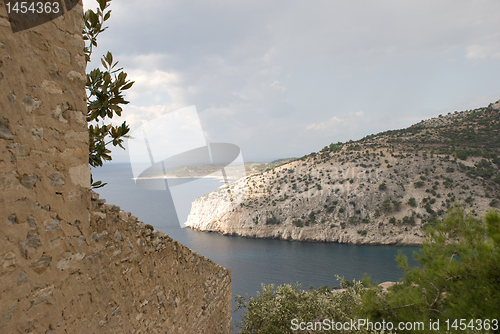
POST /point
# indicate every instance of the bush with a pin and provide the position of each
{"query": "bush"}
(409, 220)
(462, 154)
(386, 205)
(429, 209)
(419, 184)
(273, 310)
(457, 277)
(312, 217)
(382, 186)
(412, 202)
(272, 221)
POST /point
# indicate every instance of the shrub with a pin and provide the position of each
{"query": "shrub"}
(419, 184)
(409, 220)
(382, 186)
(412, 202)
(386, 205)
(279, 310)
(457, 276)
(272, 221)
(429, 209)
(462, 154)
(312, 217)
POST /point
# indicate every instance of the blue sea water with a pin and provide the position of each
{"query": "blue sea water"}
(251, 261)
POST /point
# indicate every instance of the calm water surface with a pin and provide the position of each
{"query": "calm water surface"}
(251, 261)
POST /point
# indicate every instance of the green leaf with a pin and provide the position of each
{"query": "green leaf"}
(107, 15)
(128, 85)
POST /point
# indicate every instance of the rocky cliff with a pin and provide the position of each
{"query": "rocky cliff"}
(382, 189)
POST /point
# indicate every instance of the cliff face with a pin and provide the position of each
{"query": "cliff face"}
(380, 190)
(68, 262)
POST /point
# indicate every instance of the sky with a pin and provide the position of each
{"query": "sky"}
(286, 78)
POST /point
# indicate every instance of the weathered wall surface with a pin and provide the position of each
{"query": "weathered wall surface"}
(68, 262)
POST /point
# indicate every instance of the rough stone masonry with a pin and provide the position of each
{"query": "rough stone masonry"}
(69, 263)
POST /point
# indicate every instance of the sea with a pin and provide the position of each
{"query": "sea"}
(252, 262)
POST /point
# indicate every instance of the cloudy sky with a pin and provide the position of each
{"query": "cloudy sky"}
(285, 78)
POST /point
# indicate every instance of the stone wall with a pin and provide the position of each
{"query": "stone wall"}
(68, 262)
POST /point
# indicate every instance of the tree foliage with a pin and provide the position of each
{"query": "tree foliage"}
(273, 310)
(105, 92)
(458, 276)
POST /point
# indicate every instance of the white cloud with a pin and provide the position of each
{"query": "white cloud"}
(153, 83)
(277, 85)
(482, 52)
(349, 121)
(326, 125)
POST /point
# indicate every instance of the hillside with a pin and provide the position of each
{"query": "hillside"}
(382, 189)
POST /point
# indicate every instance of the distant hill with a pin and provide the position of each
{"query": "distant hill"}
(382, 189)
(204, 170)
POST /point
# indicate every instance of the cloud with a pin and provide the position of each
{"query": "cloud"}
(150, 86)
(478, 52)
(277, 85)
(350, 120)
(327, 125)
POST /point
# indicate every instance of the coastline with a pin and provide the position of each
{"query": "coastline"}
(316, 234)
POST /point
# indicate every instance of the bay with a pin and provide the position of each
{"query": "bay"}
(251, 261)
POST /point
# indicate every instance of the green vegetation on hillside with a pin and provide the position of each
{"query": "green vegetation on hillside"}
(461, 134)
(458, 276)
